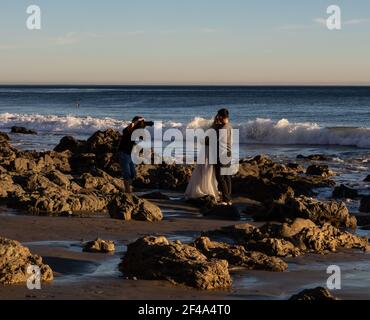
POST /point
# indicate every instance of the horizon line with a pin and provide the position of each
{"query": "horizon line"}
(259, 84)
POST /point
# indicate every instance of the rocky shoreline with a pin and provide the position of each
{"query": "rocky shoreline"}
(83, 178)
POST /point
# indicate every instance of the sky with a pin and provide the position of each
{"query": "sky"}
(184, 42)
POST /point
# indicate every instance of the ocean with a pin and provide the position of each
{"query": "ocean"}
(282, 121)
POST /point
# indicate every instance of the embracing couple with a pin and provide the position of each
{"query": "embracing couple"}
(210, 178)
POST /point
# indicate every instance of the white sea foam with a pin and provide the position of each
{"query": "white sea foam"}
(261, 131)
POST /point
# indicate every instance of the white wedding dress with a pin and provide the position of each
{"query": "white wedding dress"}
(203, 182)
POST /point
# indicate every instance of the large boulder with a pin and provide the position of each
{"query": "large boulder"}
(222, 212)
(367, 179)
(42, 196)
(327, 239)
(260, 189)
(290, 239)
(83, 163)
(319, 170)
(22, 130)
(317, 294)
(303, 185)
(163, 176)
(319, 212)
(237, 255)
(15, 260)
(66, 202)
(130, 207)
(71, 144)
(103, 142)
(345, 192)
(263, 166)
(156, 258)
(365, 204)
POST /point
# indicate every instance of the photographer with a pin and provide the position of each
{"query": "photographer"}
(125, 150)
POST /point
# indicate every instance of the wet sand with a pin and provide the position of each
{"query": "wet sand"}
(80, 275)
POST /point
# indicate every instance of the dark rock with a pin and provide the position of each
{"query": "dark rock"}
(156, 258)
(254, 208)
(130, 207)
(4, 137)
(71, 144)
(59, 179)
(345, 192)
(222, 211)
(163, 176)
(240, 233)
(22, 130)
(319, 170)
(14, 261)
(296, 167)
(109, 163)
(303, 185)
(204, 203)
(103, 142)
(363, 220)
(365, 204)
(317, 294)
(260, 189)
(315, 157)
(83, 162)
(367, 179)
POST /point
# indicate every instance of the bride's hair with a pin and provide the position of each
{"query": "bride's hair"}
(216, 122)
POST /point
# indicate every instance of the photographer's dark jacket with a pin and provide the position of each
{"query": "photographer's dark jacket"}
(126, 145)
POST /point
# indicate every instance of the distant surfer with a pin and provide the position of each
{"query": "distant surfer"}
(78, 104)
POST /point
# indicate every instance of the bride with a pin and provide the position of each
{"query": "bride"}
(203, 181)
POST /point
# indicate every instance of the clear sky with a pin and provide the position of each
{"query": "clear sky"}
(185, 42)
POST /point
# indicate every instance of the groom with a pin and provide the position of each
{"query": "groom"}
(224, 151)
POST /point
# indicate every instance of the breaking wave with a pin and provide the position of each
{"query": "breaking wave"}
(258, 131)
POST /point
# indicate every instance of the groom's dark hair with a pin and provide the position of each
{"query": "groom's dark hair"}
(223, 113)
